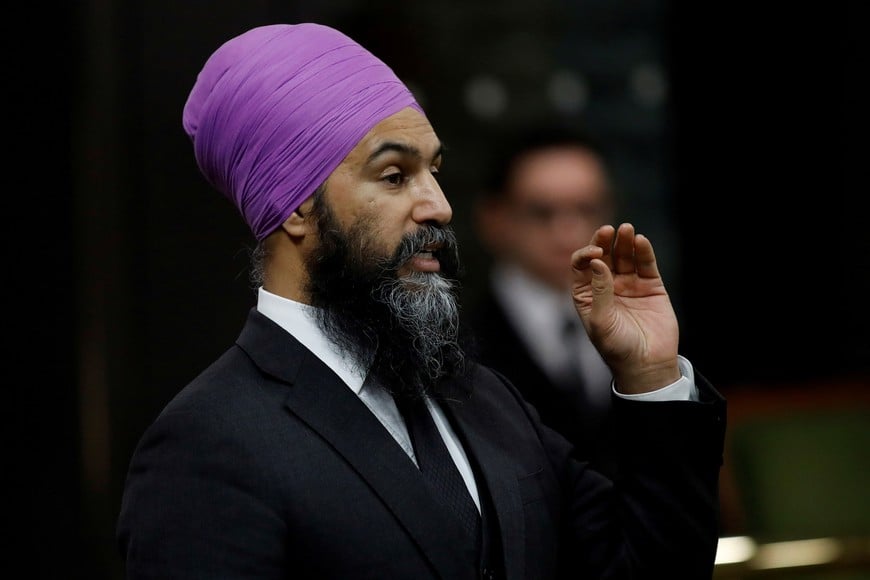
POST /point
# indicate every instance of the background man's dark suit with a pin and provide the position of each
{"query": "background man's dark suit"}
(585, 422)
(268, 463)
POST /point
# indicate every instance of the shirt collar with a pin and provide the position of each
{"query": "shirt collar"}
(298, 319)
(535, 303)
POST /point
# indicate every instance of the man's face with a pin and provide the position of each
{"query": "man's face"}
(382, 274)
(556, 199)
(389, 182)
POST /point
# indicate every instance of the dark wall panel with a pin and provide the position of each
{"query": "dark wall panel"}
(774, 267)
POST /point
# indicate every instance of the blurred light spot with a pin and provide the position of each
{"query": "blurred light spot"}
(797, 553)
(568, 91)
(485, 97)
(735, 549)
(648, 84)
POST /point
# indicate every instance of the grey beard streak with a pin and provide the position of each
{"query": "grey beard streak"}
(425, 305)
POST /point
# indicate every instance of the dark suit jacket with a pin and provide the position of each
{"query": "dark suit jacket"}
(497, 343)
(268, 466)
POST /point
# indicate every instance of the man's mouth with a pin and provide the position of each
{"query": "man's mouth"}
(426, 260)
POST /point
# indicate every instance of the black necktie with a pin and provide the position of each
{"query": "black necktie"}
(437, 467)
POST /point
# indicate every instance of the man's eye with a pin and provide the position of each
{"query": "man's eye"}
(535, 213)
(394, 178)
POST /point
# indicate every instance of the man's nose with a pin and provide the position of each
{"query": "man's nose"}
(430, 204)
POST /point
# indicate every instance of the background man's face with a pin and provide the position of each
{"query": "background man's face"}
(556, 199)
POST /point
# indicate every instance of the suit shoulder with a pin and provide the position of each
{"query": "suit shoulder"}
(229, 387)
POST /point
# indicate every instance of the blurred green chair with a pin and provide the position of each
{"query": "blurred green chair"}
(806, 474)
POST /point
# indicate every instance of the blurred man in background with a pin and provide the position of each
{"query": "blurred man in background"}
(549, 191)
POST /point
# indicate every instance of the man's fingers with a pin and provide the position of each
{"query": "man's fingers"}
(623, 250)
(603, 238)
(580, 258)
(645, 258)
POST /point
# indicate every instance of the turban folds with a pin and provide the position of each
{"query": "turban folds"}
(276, 109)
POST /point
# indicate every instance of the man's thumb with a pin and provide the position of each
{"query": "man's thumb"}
(602, 284)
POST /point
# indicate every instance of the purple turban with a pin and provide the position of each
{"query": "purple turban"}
(276, 109)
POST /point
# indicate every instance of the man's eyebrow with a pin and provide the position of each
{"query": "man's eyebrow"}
(404, 149)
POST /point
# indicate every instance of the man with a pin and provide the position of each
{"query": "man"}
(308, 449)
(549, 192)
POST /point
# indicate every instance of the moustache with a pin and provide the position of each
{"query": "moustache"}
(440, 240)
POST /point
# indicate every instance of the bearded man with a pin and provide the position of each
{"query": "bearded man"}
(346, 434)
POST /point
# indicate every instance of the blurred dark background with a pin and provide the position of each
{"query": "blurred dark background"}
(733, 130)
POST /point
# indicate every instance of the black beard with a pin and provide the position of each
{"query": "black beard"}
(405, 329)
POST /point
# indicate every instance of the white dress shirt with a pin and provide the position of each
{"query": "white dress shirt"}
(297, 319)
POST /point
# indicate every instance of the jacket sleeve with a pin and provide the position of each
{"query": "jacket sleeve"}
(187, 512)
(657, 515)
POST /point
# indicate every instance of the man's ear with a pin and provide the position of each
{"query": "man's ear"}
(299, 224)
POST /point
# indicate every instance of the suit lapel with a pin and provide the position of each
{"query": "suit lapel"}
(322, 400)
